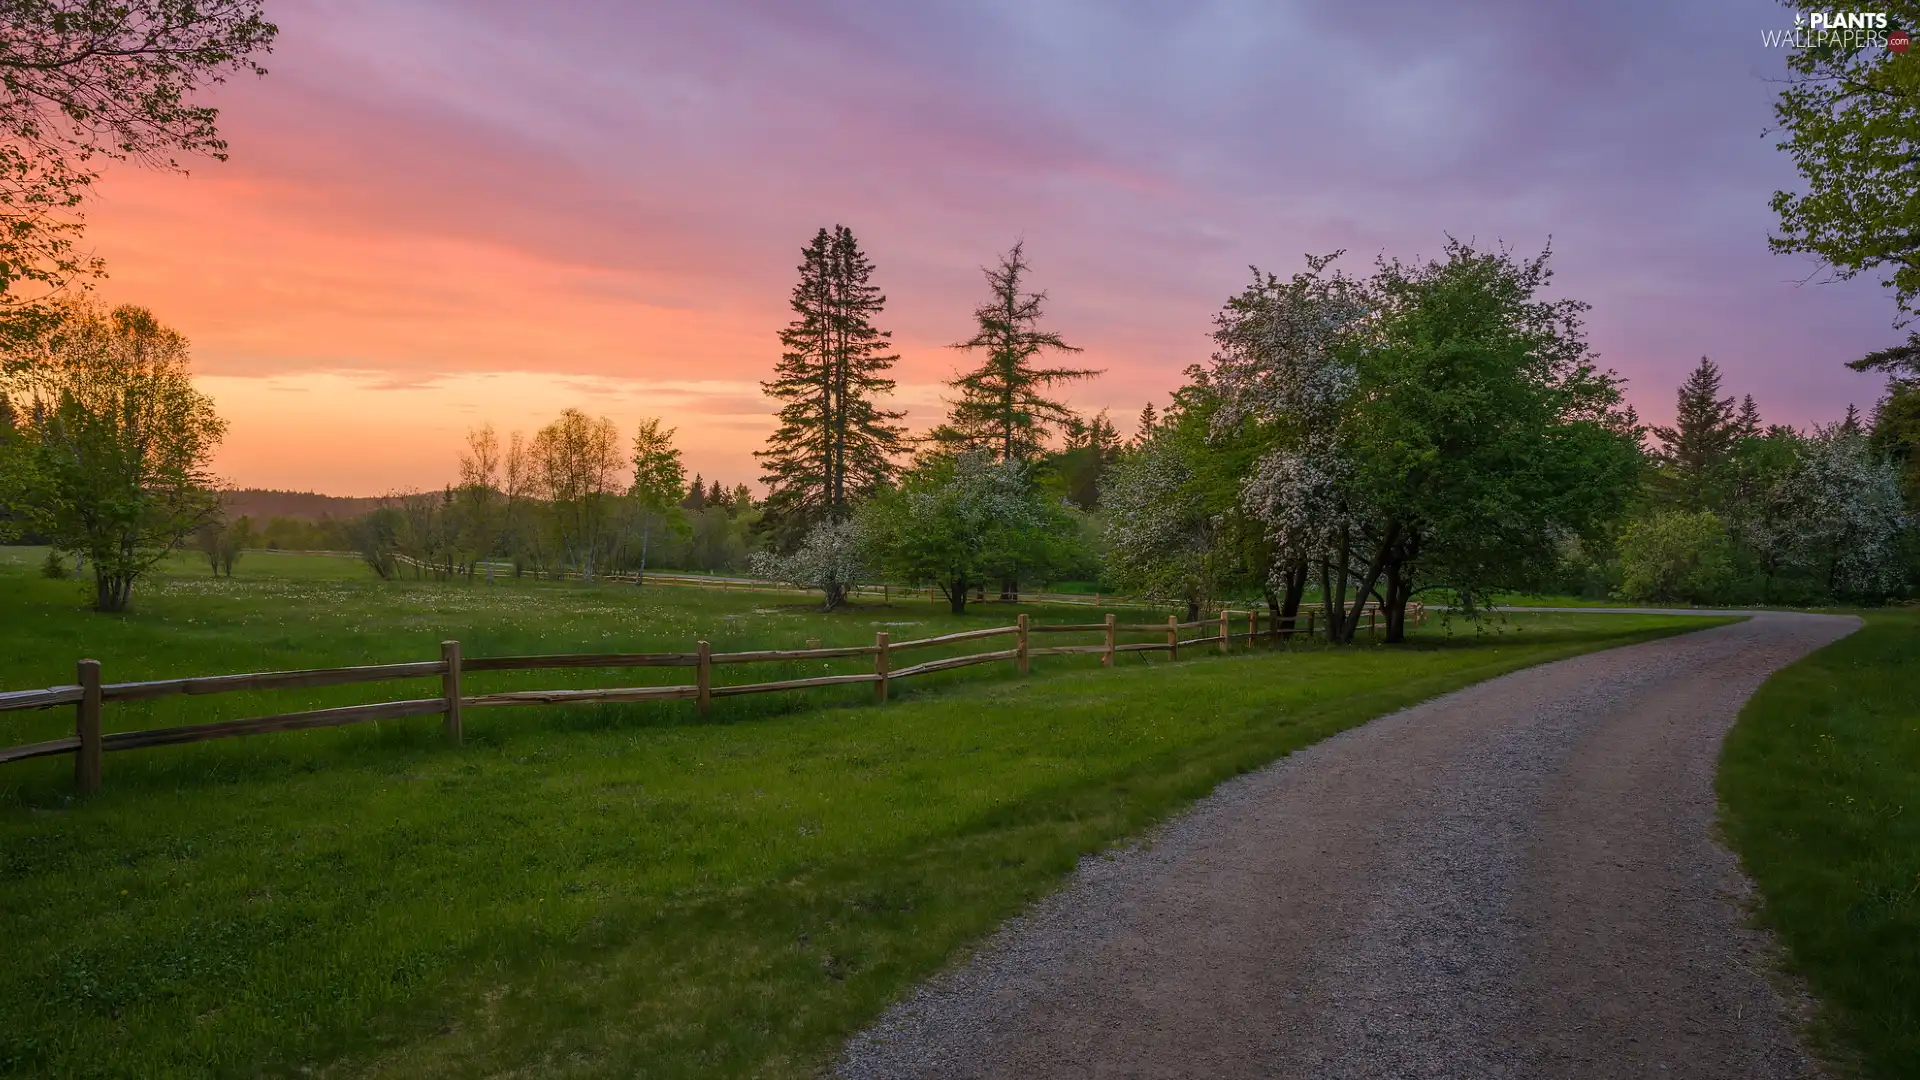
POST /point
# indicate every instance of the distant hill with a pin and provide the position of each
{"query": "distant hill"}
(261, 504)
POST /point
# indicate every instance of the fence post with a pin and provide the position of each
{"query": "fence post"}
(1253, 625)
(86, 724)
(880, 666)
(1373, 617)
(1107, 660)
(703, 676)
(1226, 630)
(1022, 658)
(1311, 612)
(450, 689)
(1173, 637)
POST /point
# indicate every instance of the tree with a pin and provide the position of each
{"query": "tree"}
(834, 446)
(477, 499)
(375, 536)
(1092, 448)
(659, 484)
(223, 542)
(1163, 541)
(1438, 426)
(1896, 433)
(832, 558)
(113, 457)
(963, 520)
(1848, 515)
(86, 80)
(576, 461)
(1674, 555)
(1695, 450)
(1282, 373)
(1003, 407)
(1851, 117)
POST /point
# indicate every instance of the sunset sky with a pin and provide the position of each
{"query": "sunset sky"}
(438, 214)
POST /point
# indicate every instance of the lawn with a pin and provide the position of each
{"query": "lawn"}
(1820, 784)
(601, 891)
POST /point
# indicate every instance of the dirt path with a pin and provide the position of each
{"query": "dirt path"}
(1520, 879)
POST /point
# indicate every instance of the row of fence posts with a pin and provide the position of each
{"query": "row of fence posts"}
(87, 758)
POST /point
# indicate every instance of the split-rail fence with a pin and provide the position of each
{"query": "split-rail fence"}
(89, 695)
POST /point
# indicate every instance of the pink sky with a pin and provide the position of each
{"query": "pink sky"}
(440, 214)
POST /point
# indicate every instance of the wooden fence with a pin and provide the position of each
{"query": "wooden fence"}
(89, 695)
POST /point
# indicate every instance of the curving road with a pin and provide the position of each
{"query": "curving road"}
(1519, 879)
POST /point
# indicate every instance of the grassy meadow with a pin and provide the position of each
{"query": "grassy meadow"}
(1820, 784)
(615, 890)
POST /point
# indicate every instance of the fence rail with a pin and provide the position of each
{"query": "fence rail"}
(88, 695)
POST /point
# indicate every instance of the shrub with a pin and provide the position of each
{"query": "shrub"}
(1675, 555)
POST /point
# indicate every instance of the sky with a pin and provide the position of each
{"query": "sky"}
(437, 215)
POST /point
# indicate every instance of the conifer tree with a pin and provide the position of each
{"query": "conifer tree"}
(834, 444)
(1748, 425)
(1149, 421)
(1002, 407)
(1703, 432)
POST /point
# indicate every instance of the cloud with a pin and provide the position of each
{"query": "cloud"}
(613, 197)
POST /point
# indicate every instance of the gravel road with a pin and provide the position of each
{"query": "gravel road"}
(1520, 879)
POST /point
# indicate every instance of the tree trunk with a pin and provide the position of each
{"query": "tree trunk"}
(1394, 604)
(1193, 610)
(957, 596)
(1296, 591)
(111, 591)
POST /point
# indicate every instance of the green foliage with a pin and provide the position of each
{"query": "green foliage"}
(659, 479)
(1896, 433)
(1003, 408)
(1690, 468)
(834, 446)
(961, 521)
(54, 568)
(87, 80)
(1851, 117)
(833, 557)
(1438, 426)
(1175, 527)
(625, 890)
(1818, 781)
(1674, 555)
(113, 460)
(1077, 472)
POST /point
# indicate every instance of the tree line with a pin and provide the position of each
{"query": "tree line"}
(1434, 427)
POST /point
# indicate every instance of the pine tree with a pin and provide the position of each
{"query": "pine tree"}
(1702, 436)
(834, 445)
(1747, 425)
(696, 498)
(1002, 407)
(1149, 422)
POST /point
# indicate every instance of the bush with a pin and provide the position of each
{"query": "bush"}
(54, 567)
(1675, 555)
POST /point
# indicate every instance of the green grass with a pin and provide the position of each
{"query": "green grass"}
(1820, 783)
(601, 891)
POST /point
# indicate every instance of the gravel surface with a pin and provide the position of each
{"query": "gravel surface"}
(1520, 879)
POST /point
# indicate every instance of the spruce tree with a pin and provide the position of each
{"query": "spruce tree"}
(1002, 407)
(834, 444)
(1703, 434)
(1149, 423)
(1747, 425)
